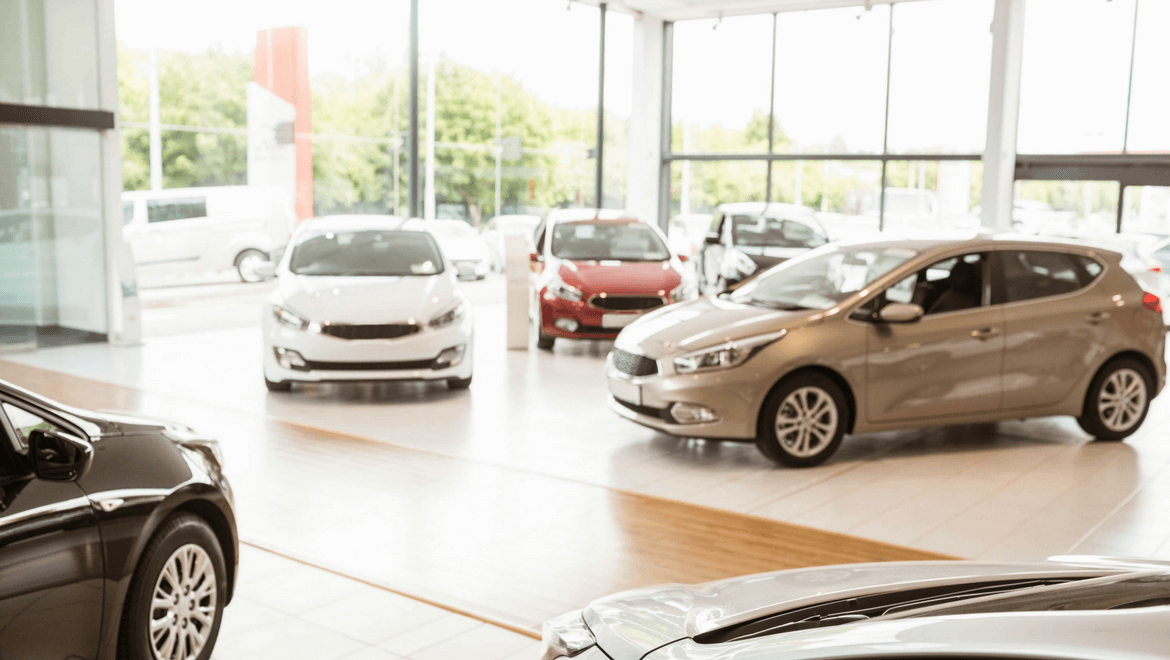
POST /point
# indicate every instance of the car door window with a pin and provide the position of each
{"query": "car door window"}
(950, 285)
(127, 213)
(23, 423)
(1028, 275)
(165, 210)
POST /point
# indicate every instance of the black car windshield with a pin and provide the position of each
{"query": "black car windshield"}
(366, 253)
(607, 241)
(822, 278)
(754, 231)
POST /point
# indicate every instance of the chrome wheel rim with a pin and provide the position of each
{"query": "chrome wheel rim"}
(248, 265)
(182, 610)
(806, 422)
(1122, 400)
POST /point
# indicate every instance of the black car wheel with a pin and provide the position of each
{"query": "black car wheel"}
(175, 603)
(802, 421)
(1117, 401)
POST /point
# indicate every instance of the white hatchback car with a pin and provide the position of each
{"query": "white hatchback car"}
(366, 298)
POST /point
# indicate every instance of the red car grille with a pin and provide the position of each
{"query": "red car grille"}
(627, 303)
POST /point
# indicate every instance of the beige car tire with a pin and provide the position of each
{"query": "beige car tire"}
(803, 421)
(1117, 401)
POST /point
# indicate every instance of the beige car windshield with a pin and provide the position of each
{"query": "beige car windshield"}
(822, 278)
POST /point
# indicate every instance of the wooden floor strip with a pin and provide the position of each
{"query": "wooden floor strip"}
(510, 546)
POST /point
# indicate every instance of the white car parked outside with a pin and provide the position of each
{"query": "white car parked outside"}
(463, 246)
(206, 229)
(364, 298)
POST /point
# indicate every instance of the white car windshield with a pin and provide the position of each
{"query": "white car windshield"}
(752, 231)
(607, 241)
(822, 278)
(451, 229)
(366, 253)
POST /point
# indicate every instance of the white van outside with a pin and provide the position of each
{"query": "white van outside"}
(207, 229)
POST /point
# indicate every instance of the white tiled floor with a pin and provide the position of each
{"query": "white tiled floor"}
(288, 610)
(1014, 490)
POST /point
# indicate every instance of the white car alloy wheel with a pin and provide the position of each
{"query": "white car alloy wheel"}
(247, 263)
(1121, 400)
(806, 422)
(183, 605)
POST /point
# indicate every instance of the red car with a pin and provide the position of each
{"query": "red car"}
(597, 271)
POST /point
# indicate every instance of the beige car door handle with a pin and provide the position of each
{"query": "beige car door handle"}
(984, 334)
(1097, 317)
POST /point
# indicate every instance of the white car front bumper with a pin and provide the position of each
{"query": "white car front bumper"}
(328, 358)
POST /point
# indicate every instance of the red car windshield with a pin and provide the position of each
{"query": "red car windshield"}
(608, 241)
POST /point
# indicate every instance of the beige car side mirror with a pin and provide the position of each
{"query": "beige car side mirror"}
(901, 313)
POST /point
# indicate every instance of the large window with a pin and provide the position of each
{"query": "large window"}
(48, 52)
(831, 80)
(721, 84)
(939, 77)
(52, 271)
(832, 69)
(1075, 75)
(1149, 107)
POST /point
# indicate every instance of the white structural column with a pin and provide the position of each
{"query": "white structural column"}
(124, 324)
(999, 156)
(429, 192)
(644, 156)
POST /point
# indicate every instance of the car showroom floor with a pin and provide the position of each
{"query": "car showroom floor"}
(525, 496)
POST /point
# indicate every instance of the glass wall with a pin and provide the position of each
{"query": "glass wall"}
(52, 271)
(721, 84)
(832, 67)
(48, 53)
(1066, 208)
(831, 80)
(939, 77)
(1076, 75)
(1150, 104)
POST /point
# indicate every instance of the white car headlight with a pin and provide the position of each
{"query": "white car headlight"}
(450, 315)
(742, 263)
(565, 636)
(724, 356)
(563, 291)
(290, 318)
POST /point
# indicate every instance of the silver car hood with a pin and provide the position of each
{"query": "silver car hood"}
(1136, 634)
(630, 624)
(708, 321)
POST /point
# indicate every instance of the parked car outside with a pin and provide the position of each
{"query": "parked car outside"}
(899, 334)
(1075, 608)
(463, 246)
(366, 298)
(117, 534)
(207, 229)
(749, 237)
(597, 271)
(507, 225)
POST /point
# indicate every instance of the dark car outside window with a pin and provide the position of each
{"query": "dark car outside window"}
(165, 210)
(751, 231)
(1028, 275)
(607, 241)
(369, 253)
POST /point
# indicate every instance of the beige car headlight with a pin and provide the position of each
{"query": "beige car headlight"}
(726, 355)
(565, 636)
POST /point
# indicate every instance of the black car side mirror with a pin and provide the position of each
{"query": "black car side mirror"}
(712, 239)
(59, 456)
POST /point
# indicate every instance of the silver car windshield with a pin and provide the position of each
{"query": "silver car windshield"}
(822, 278)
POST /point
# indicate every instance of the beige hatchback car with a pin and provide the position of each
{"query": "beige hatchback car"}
(894, 335)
